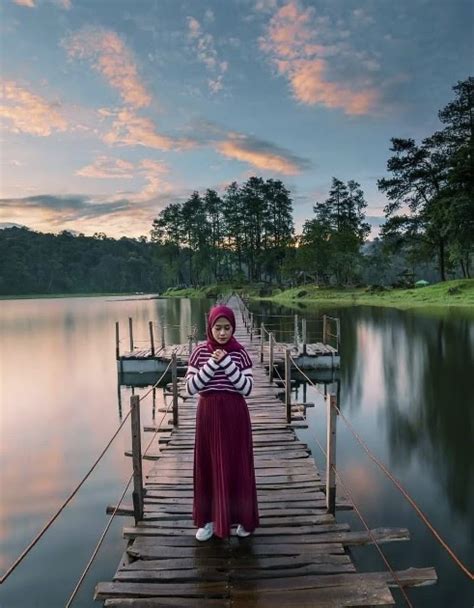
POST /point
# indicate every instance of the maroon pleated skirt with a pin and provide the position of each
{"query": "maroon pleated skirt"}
(224, 476)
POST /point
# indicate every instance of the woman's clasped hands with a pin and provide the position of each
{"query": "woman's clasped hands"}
(218, 354)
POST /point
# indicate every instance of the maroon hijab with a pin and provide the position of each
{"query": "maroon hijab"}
(215, 313)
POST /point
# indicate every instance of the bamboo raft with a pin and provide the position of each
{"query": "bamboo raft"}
(297, 557)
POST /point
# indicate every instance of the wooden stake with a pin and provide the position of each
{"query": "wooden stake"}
(270, 356)
(331, 454)
(137, 494)
(174, 379)
(152, 338)
(262, 340)
(288, 385)
(325, 322)
(303, 332)
(130, 332)
(117, 341)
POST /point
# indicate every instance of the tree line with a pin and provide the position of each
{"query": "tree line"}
(246, 234)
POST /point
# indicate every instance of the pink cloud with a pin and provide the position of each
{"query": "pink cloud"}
(27, 3)
(26, 112)
(107, 168)
(113, 60)
(128, 129)
(291, 43)
(240, 147)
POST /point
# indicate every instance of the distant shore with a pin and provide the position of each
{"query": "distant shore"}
(456, 293)
(46, 296)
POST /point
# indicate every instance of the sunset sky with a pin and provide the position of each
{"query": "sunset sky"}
(112, 109)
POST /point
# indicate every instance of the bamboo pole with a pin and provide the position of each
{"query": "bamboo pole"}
(174, 378)
(130, 332)
(288, 385)
(331, 454)
(270, 356)
(137, 493)
(152, 338)
(117, 341)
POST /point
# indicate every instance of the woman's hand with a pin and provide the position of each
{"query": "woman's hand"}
(218, 354)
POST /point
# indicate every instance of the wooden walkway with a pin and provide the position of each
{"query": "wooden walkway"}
(297, 557)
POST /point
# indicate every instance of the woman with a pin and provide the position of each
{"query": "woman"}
(220, 370)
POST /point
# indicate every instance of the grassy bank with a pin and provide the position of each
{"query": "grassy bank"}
(455, 293)
(38, 296)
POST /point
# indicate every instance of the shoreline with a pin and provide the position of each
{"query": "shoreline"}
(77, 295)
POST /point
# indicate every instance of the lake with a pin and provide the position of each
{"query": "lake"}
(406, 385)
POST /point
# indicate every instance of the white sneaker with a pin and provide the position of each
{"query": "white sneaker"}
(241, 531)
(206, 532)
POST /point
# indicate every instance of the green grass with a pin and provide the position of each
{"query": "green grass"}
(459, 292)
(456, 293)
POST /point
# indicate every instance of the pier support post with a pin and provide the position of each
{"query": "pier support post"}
(270, 357)
(130, 332)
(288, 385)
(137, 493)
(152, 338)
(304, 334)
(331, 401)
(174, 378)
(117, 341)
(325, 328)
(262, 340)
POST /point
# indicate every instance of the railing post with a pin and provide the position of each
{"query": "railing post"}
(288, 385)
(251, 327)
(331, 454)
(338, 332)
(303, 334)
(270, 356)
(262, 340)
(174, 378)
(325, 323)
(152, 338)
(296, 331)
(190, 343)
(117, 341)
(130, 332)
(162, 336)
(137, 494)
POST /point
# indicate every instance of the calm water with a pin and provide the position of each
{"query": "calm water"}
(405, 384)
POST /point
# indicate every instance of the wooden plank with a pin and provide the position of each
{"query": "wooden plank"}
(168, 602)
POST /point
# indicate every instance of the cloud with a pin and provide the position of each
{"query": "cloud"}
(206, 54)
(129, 129)
(111, 58)
(27, 3)
(260, 154)
(65, 4)
(295, 43)
(26, 112)
(107, 168)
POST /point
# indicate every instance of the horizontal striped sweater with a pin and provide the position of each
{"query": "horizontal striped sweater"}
(233, 373)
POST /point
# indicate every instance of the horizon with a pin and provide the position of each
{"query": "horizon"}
(109, 116)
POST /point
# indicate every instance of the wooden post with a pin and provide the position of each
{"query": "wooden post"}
(117, 341)
(331, 454)
(152, 338)
(174, 378)
(262, 340)
(130, 332)
(270, 357)
(190, 343)
(325, 323)
(137, 493)
(251, 327)
(288, 385)
(296, 331)
(338, 332)
(303, 336)
(162, 336)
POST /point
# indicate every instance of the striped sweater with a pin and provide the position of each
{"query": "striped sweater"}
(233, 373)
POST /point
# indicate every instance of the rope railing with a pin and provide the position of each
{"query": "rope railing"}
(364, 523)
(114, 512)
(54, 517)
(398, 485)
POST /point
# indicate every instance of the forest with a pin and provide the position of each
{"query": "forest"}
(246, 233)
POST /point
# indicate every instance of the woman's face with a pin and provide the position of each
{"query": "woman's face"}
(222, 330)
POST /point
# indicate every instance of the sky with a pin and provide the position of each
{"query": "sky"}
(112, 109)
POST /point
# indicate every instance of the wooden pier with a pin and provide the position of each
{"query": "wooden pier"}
(297, 557)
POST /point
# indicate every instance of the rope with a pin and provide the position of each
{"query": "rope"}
(399, 486)
(74, 492)
(364, 523)
(106, 529)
